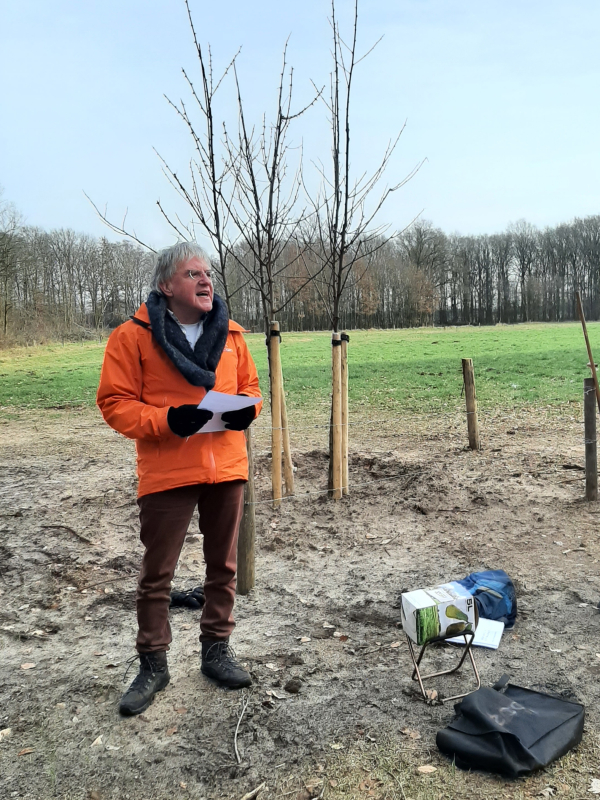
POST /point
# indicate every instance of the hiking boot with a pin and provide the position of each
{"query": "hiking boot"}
(152, 678)
(219, 663)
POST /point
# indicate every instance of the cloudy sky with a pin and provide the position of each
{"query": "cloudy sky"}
(499, 96)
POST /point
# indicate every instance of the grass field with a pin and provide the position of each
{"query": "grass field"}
(399, 370)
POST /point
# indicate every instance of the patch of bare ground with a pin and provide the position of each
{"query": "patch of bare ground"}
(323, 618)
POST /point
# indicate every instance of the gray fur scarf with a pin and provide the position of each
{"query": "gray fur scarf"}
(198, 365)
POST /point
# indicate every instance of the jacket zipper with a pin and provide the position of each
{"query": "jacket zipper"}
(213, 465)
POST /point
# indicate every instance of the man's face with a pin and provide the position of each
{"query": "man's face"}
(190, 291)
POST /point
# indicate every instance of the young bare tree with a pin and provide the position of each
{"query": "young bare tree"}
(264, 211)
(209, 186)
(344, 231)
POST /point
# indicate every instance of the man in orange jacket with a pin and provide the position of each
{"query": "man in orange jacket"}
(157, 368)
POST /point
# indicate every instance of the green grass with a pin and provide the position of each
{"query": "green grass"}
(403, 370)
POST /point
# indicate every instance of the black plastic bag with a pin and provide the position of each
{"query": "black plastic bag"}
(511, 731)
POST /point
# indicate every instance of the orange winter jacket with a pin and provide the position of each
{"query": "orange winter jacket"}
(139, 383)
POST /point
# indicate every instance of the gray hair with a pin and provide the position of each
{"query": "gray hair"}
(170, 258)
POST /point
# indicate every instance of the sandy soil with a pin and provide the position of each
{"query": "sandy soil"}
(423, 510)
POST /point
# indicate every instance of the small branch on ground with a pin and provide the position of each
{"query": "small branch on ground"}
(254, 793)
(107, 580)
(71, 530)
(237, 727)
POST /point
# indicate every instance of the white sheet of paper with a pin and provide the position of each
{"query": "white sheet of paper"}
(218, 402)
(488, 634)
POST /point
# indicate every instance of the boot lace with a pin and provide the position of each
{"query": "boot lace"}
(223, 653)
(148, 668)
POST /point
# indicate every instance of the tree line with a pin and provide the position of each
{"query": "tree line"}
(424, 276)
(60, 283)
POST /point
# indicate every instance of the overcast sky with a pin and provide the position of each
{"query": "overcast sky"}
(500, 97)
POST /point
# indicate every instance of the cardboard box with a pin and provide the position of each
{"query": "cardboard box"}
(446, 610)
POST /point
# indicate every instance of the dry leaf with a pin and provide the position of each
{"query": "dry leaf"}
(99, 654)
(594, 786)
(97, 742)
(313, 784)
(336, 746)
(548, 791)
(181, 710)
(304, 639)
(410, 732)
(395, 644)
(344, 638)
(333, 783)
(371, 536)
(112, 747)
(182, 785)
(385, 541)
(426, 769)
(431, 694)
(327, 625)
(277, 695)
(185, 627)
(29, 665)
(272, 667)
(25, 751)
(171, 731)
(4, 734)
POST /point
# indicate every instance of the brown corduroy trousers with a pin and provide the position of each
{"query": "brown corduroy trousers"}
(164, 520)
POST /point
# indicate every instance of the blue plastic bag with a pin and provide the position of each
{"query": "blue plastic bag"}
(494, 594)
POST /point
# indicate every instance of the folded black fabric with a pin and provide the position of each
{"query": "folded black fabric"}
(192, 598)
(511, 732)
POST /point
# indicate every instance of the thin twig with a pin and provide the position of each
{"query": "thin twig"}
(71, 530)
(107, 580)
(237, 727)
(254, 793)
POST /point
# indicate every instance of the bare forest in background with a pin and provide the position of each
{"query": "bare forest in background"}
(61, 284)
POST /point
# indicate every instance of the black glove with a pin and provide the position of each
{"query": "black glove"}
(186, 420)
(238, 420)
(191, 598)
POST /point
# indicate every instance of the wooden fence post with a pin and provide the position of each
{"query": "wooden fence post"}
(591, 459)
(471, 400)
(345, 471)
(288, 467)
(336, 415)
(247, 534)
(275, 368)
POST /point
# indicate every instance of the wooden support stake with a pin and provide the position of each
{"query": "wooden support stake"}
(288, 467)
(592, 364)
(471, 399)
(247, 534)
(591, 459)
(275, 371)
(345, 472)
(336, 414)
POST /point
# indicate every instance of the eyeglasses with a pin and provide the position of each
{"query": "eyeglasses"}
(196, 274)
